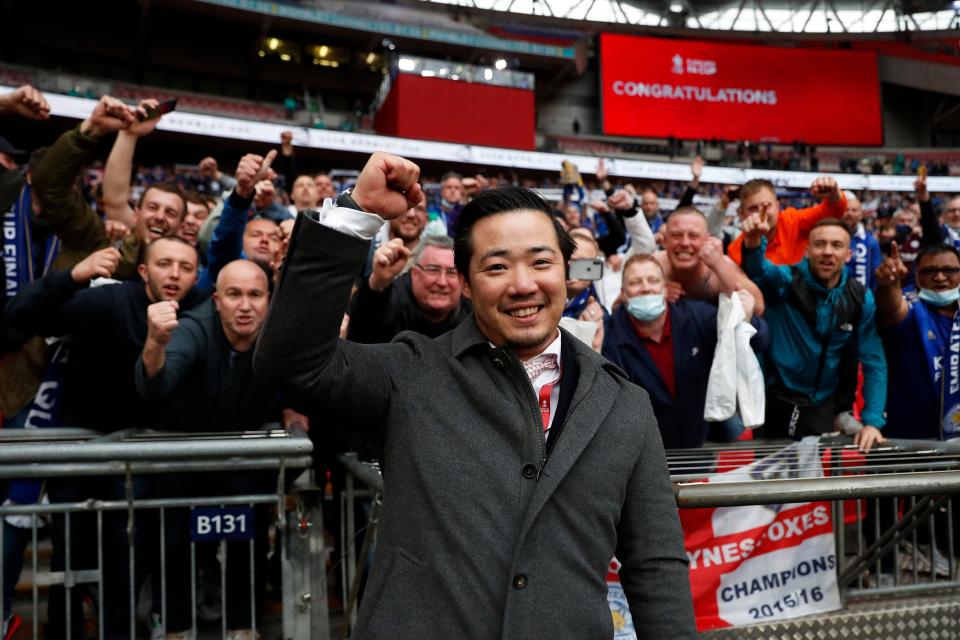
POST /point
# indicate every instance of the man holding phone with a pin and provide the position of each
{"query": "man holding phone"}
(586, 267)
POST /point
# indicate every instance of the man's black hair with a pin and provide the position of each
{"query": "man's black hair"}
(503, 200)
(936, 249)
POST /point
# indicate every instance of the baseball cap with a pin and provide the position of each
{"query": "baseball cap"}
(9, 149)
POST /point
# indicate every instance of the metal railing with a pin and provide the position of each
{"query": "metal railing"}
(892, 506)
(206, 485)
(920, 474)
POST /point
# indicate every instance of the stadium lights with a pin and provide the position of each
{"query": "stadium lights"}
(676, 7)
(273, 43)
(500, 64)
(324, 50)
(427, 73)
(262, 53)
(407, 64)
(285, 57)
(371, 57)
(488, 74)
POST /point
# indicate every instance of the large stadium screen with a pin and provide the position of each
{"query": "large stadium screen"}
(657, 88)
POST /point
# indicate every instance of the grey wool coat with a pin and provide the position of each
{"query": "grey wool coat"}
(483, 535)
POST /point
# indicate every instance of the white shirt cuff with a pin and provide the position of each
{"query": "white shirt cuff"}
(350, 221)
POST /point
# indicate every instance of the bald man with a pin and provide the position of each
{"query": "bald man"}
(197, 370)
(864, 249)
(200, 362)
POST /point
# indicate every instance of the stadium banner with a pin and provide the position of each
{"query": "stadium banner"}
(220, 127)
(754, 564)
(689, 89)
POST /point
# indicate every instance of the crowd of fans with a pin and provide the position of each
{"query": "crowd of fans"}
(148, 286)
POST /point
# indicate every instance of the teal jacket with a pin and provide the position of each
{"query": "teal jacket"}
(794, 349)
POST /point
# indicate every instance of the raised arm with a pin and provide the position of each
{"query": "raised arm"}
(299, 347)
(931, 233)
(891, 306)
(226, 243)
(770, 278)
(728, 273)
(642, 240)
(25, 102)
(696, 168)
(54, 176)
(116, 175)
(44, 307)
(833, 204)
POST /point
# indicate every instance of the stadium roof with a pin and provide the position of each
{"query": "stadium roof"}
(811, 16)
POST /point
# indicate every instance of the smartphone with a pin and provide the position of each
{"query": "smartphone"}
(155, 112)
(587, 269)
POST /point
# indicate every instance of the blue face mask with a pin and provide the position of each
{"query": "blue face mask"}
(940, 298)
(646, 308)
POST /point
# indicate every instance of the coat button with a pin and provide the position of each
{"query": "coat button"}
(519, 581)
(498, 363)
(529, 471)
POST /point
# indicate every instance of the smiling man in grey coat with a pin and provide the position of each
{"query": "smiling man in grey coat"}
(517, 461)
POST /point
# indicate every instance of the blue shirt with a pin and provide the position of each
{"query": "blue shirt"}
(913, 399)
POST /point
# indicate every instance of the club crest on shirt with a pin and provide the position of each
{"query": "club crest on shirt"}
(951, 422)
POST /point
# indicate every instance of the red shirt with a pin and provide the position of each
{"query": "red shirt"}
(661, 353)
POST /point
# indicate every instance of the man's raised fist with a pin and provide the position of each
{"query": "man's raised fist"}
(251, 170)
(388, 186)
(823, 188)
(388, 262)
(161, 321)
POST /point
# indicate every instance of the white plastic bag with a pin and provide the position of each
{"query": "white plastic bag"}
(721, 401)
(751, 388)
(735, 375)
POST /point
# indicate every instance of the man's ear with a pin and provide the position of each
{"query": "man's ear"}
(142, 270)
(464, 286)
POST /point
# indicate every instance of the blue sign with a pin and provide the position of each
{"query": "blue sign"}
(225, 523)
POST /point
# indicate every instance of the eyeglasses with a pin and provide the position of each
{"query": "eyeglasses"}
(932, 271)
(435, 271)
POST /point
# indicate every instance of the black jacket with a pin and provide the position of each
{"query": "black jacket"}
(377, 317)
(108, 326)
(204, 384)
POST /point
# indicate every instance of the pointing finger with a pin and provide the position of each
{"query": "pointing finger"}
(894, 250)
(267, 161)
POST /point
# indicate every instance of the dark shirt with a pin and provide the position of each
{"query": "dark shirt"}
(204, 385)
(108, 326)
(377, 317)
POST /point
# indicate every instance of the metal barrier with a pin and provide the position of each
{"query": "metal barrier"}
(219, 488)
(893, 519)
(921, 474)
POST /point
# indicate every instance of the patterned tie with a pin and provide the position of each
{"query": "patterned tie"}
(537, 365)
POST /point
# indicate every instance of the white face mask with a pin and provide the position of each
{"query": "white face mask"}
(647, 307)
(940, 298)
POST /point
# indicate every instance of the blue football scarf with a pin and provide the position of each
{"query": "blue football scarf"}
(944, 364)
(44, 411)
(576, 306)
(951, 237)
(860, 257)
(19, 263)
